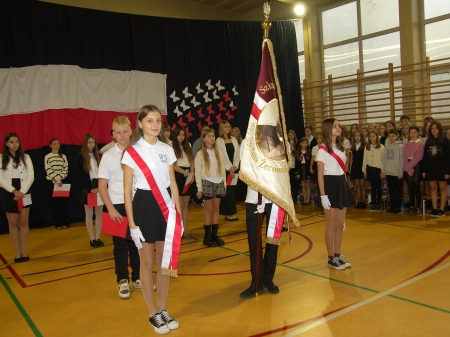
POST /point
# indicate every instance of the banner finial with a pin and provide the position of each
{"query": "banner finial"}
(266, 23)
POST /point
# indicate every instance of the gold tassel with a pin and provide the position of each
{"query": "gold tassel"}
(169, 272)
(273, 241)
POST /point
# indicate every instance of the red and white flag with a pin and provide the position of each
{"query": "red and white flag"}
(94, 200)
(265, 162)
(187, 183)
(25, 201)
(61, 191)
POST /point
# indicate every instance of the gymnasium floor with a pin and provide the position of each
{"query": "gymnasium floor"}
(398, 284)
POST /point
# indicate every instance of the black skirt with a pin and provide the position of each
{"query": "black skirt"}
(338, 191)
(313, 176)
(356, 169)
(181, 180)
(228, 202)
(9, 205)
(148, 216)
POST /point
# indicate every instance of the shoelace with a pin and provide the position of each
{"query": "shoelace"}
(336, 260)
(159, 320)
(166, 316)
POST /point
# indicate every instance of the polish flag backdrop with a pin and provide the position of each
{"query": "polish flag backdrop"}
(265, 162)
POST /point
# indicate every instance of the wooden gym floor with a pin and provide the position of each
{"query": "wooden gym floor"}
(398, 284)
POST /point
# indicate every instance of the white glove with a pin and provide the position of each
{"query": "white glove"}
(137, 236)
(325, 201)
(260, 208)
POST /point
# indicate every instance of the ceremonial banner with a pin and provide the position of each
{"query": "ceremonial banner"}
(187, 183)
(265, 163)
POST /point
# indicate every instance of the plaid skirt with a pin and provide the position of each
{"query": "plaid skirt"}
(212, 190)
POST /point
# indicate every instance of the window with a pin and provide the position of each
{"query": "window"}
(378, 15)
(381, 50)
(437, 39)
(341, 60)
(340, 23)
(435, 8)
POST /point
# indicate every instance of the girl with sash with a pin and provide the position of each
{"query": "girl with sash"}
(87, 173)
(334, 191)
(16, 178)
(211, 184)
(152, 205)
(184, 172)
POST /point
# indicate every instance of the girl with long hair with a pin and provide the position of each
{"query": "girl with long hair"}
(211, 184)
(293, 144)
(373, 167)
(436, 166)
(87, 162)
(57, 169)
(184, 170)
(303, 159)
(356, 173)
(229, 148)
(335, 194)
(153, 211)
(16, 178)
(236, 133)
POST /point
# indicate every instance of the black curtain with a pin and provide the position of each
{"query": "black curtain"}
(191, 52)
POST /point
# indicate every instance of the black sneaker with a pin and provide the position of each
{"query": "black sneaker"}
(93, 243)
(390, 210)
(271, 287)
(335, 263)
(396, 211)
(170, 322)
(433, 212)
(157, 322)
(250, 291)
(439, 214)
(100, 243)
(363, 205)
(342, 260)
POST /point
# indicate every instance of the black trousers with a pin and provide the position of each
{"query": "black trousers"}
(60, 207)
(268, 261)
(415, 195)
(376, 191)
(395, 186)
(124, 247)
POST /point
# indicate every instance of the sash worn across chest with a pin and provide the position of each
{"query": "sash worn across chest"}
(174, 230)
(335, 156)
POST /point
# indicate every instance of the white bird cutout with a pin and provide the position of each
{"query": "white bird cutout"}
(231, 104)
(186, 93)
(199, 90)
(214, 95)
(219, 87)
(234, 91)
(207, 99)
(184, 106)
(194, 102)
(208, 84)
(174, 97)
(178, 112)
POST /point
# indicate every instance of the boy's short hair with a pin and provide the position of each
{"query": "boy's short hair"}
(121, 121)
(404, 117)
(393, 132)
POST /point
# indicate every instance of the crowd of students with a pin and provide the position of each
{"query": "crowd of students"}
(410, 160)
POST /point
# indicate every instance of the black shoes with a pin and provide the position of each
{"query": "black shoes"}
(99, 243)
(284, 229)
(271, 287)
(208, 239)
(215, 236)
(250, 291)
(21, 259)
(96, 243)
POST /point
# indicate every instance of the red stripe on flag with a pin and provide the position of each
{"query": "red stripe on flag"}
(61, 193)
(255, 111)
(20, 204)
(69, 125)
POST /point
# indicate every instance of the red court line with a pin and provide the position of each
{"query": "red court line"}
(286, 327)
(13, 272)
(433, 265)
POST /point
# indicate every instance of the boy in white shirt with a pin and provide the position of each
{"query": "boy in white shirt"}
(110, 185)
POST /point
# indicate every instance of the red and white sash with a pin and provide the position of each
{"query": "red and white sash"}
(335, 156)
(275, 225)
(174, 229)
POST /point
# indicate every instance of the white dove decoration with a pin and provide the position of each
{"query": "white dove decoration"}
(174, 97)
(199, 90)
(178, 112)
(208, 84)
(231, 104)
(194, 102)
(214, 95)
(219, 87)
(186, 93)
(234, 91)
(207, 99)
(184, 106)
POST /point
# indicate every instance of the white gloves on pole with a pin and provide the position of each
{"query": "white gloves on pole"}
(325, 201)
(260, 208)
(137, 236)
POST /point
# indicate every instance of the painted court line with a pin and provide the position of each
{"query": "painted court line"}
(372, 299)
(21, 309)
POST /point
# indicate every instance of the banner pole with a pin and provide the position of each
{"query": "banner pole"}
(258, 247)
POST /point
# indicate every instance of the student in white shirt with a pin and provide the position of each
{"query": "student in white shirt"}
(87, 173)
(211, 185)
(153, 212)
(334, 191)
(16, 178)
(110, 187)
